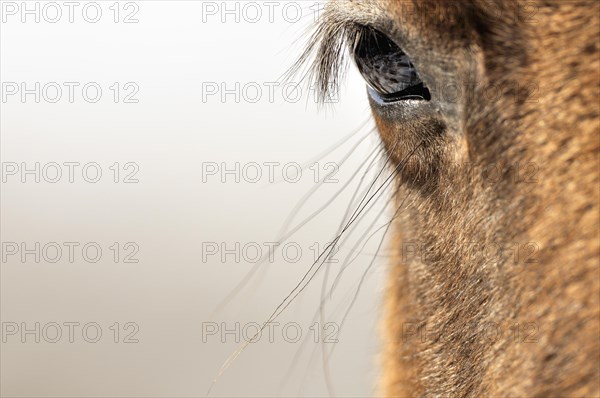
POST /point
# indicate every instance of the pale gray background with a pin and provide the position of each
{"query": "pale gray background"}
(169, 133)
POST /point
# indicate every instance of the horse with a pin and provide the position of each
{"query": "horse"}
(489, 114)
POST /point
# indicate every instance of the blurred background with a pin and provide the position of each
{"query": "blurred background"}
(151, 155)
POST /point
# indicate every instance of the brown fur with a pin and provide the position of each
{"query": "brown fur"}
(451, 292)
(544, 55)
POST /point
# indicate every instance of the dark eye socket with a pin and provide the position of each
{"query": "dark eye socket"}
(387, 69)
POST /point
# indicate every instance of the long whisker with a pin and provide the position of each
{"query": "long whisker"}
(321, 311)
(285, 236)
(346, 262)
(332, 149)
(321, 307)
(387, 227)
(301, 285)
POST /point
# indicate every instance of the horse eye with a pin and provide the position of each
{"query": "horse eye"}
(387, 69)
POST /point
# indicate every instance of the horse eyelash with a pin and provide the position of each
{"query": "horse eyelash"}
(327, 55)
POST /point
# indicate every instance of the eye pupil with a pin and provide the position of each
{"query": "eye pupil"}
(387, 69)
